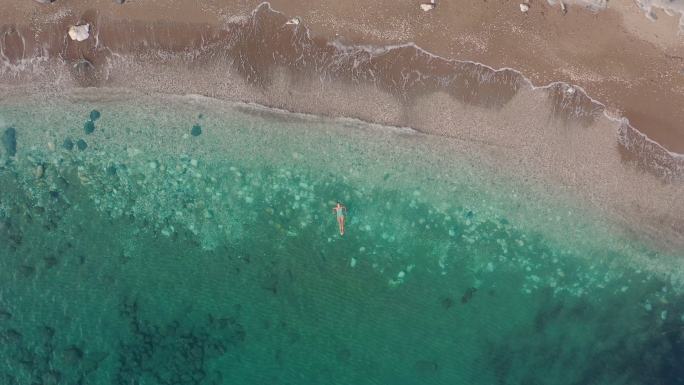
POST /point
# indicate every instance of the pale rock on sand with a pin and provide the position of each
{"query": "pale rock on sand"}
(293, 21)
(428, 6)
(524, 7)
(79, 32)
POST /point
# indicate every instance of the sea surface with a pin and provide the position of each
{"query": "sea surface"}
(150, 239)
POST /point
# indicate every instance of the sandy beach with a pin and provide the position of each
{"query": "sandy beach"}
(628, 62)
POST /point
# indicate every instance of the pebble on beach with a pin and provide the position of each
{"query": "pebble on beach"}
(79, 32)
(524, 7)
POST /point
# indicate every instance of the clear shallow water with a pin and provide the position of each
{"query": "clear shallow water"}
(153, 256)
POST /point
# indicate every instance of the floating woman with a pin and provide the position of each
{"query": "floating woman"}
(340, 210)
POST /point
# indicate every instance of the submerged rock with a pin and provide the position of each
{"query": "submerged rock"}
(111, 170)
(89, 127)
(81, 144)
(50, 262)
(8, 379)
(46, 332)
(425, 367)
(178, 353)
(270, 283)
(343, 355)
(468, 295)
(72, 355)
(5, 315)
(9, 142)
(447, 302)
(51, 377)
(95, 115)
(196, 130)
(10, 336)
(92, 361)
(26, 271)
(68, 144)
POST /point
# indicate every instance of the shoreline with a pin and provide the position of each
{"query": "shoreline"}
(11, 71)
(432, 157)
(648, 94)
(623, 224)
(550, 134)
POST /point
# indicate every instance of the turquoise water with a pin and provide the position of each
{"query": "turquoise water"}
(183, 241)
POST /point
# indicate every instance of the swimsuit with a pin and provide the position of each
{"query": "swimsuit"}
(340, 212)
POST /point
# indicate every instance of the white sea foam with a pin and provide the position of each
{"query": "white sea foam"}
(671, 7)
(203, 99)
(379, 50)
(592, 5)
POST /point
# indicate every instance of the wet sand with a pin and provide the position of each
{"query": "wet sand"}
(633, 65)
(326, 65)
